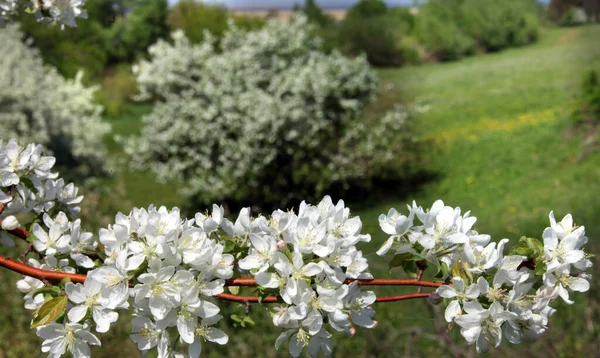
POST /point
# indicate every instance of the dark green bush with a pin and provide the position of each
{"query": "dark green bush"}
(450, 29)
(588, 109)
(437, 31)
(366, 9)
(372, 36)
(131, 34)
(194, 18)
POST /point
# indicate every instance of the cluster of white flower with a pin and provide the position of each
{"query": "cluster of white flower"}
(53, 12)
(491, 294)
(244, 108)
(169, 269)
(305, 259)
(39, 105)
(28, 186)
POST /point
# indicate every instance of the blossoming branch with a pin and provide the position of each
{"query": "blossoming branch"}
(169, 269)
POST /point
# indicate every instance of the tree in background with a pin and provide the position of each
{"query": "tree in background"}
(116, 31)
(315, 14)
(194, 18)
(367, 8)
(140, 24)
(368, 29)
(258, 117)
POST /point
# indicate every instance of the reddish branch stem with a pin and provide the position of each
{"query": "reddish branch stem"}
(27, 270)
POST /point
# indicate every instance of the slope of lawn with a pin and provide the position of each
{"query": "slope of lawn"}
(497, 144)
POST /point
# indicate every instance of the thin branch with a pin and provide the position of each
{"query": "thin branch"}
(273, 299)
(250, 282)
(27, 270)
(34, 272)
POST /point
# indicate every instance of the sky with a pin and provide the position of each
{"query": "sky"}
(287, 4)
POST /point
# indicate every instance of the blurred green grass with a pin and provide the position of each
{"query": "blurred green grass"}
(497, 128)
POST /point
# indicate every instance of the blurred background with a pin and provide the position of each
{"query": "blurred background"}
(490, 105)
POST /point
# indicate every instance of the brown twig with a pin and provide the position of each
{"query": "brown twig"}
(55, 276)
(250, 282)
(272, 299)
(27, 270)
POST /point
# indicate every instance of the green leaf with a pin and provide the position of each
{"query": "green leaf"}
(53, 291)
(31, 238)
(49, 311)
(26, 182)
(229, 246)
(411, 268)
(236, 318)
(234, 290)
(443, 271)
(399, 260)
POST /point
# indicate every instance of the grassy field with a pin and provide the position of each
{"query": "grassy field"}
(501, 146)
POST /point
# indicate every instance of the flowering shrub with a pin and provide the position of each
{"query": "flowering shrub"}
(37, 104)
(251, 117)
(169, 270)
(491, 294)
(53, 12)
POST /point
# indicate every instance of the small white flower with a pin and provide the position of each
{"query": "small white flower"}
(72, 337)
(91, 296)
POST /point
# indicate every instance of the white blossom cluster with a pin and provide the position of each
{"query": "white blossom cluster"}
(168, 269)
(62, 12)
(255, 105)
(38, 105)
(305, 259)
(492, 295)
(28, 186)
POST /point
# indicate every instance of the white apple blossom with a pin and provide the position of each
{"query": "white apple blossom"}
(459, 293)
(61, 12)
(72, 337)
(93, 297)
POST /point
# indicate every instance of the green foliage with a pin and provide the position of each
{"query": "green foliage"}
(588, 109)
(115, 31)
(437, 31)
(451, 29)
(366, 9)
(315, 14)
(131, 34)
(194, 18)
(70, 50)
(372, 36)
(49, 311)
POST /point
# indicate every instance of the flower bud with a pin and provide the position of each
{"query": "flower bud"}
(10, 223)
(352, 331)
(281, 245)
